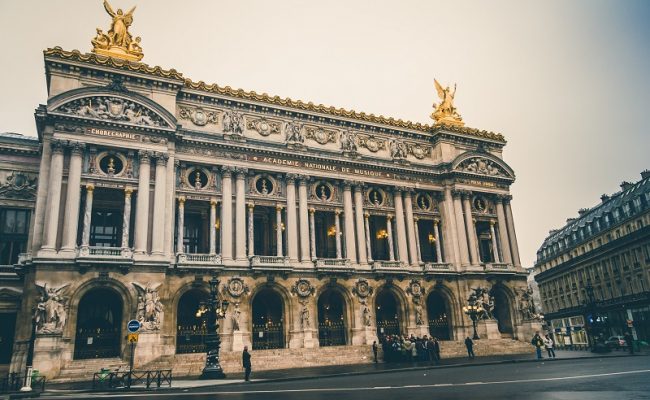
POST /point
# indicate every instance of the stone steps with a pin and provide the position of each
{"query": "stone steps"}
(78, 370)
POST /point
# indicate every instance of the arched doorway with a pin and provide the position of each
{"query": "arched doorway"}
(268, 319)
(502, 312)
(99, 325)
(190, 329)
(438, 314)
(331, 319)
(387, 313)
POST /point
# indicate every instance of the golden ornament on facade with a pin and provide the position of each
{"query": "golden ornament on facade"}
(445, 112)
(118, 42)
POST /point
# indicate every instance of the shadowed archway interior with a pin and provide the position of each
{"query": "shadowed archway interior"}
(331, 319)
(437, 311)
(387, 314)
(190, 329)
(268, 320)
(99, 325)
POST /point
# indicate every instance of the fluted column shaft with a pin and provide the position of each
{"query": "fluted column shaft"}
(240, 215)
(42, 193)
(251, 229)
(402, 247)
(410, 229)
(142, 205)
(461, 230)
(417, 238)
(366, 225)
(88, 214)
(471, 231)
(358, 213)
(170, 203)
(389, 230)
(180, 245)
(159, 205)
(495, 249)
(72, 202)
(226, 214)
(514, 247)
(436, 235)
(292, 221)
(53, 198)
(337, 226)
(304, 220)
(312, 233)
(350, 246)
(126, 217)
(213, 226)
(503, 233)
(278, 230)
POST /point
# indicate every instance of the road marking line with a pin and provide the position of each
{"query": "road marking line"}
(354, 389)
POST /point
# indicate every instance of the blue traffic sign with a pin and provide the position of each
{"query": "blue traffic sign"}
(133, 326)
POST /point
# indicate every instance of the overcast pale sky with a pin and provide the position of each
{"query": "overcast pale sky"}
(566, 82)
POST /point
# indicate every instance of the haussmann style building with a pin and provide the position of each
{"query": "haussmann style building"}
(325, 227)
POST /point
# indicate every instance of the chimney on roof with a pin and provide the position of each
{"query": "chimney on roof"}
(604, 198)
(582, 211)
(645, 174)
(625, 185)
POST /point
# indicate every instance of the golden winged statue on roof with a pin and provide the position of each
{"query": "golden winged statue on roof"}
(118, 42)
(445, 113)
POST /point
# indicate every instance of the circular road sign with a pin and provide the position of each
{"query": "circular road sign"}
(133, 326)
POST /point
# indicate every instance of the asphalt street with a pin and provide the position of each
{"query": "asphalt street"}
(594, 379)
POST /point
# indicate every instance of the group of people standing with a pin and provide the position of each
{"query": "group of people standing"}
(404, 348)
(543, 342)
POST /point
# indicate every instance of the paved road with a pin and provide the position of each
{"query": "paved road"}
(592, 379)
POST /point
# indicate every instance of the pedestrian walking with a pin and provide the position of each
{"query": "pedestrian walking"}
(470, 347)
(629, 340)
(548, 343)
(246, 363)
(538, 343)
(436, 350)
(374, 350)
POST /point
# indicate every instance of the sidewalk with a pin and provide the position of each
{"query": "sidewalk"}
(349, 370)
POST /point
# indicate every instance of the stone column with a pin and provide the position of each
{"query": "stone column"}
(251, 229)
(159, 206)
(278, 229)
(503, 232)
(358, 213)
(389, 230)
(402, 248)
(53, 198)
(126, 220)
(226, 213)
(41, 196)
(88, 214)
(180, 246)
(292, 220)
(213, 226)
(170, 204)
(304, 219)
(495, 249)
(461, 229)
(240, 215)
(73, 197)
(312, 233)
(417, 238)
(142, 204)
(337, 226)
(471, 230)
(366, 225)
(350, 246)
(514, 248)
(436, 235)
(410, 229)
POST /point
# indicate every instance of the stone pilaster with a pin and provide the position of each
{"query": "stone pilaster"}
(226, 213)
(495, 248)
(304, 219)
(312, 233)
(240, 215)
(159, 206)
(410, 229)
(42, 193)
(170, 203)
(126, 221)
(366, 225)
(292, 221)
(402, 247)
(180, 246)
(350, 243)
(471, 230)
(417, 238)
(514, 247)
(53, 198)
(503, 231)
(358, 213)
(142, 204)
(88, 213)
(337, 226)
(278, 229)
(251, 229)
(436, 235)
(461, 229)
(73, 200)
(389, 230)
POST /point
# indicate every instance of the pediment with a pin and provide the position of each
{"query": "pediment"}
(481, 164)
(103, 104)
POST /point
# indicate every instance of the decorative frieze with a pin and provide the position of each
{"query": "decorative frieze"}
(263, 126)
(371, 143)
(110, 108)
(197, 115)
(321, 135)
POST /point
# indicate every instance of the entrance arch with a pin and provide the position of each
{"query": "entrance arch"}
(99, 325)
(502, 311)
(268, 320)
(331, 318)
(387, 311)
(438, 314)
(190, 329)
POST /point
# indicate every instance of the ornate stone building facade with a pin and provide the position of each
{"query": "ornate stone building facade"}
(595, 271)
(325, 226)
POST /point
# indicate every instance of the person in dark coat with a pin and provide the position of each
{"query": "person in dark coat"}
(246, 363)
(629, 341)
(436, 350)
(374, 350)
(470, 347)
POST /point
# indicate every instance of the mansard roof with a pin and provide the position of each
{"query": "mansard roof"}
(130, 66)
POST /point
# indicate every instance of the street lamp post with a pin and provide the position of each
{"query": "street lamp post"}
(593, 321)
(30, 358)
(474, 311)
(213, 311)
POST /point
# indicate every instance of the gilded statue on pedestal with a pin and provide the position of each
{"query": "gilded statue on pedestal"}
(118, 42)
(445, 113)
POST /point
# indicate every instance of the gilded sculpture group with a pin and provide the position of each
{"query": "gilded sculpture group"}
(118, 41)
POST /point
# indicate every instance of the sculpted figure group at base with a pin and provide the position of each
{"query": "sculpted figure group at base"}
(149, 306)
(481, 298)
(51, 315)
